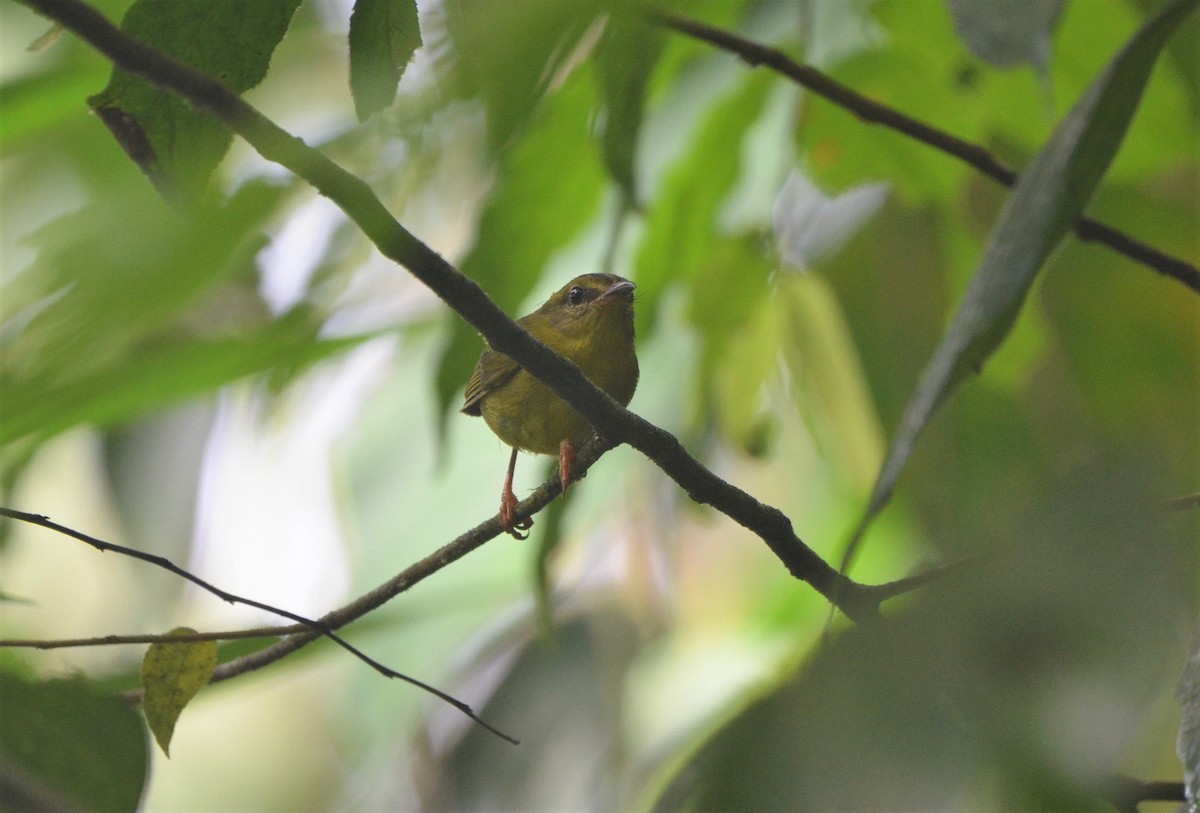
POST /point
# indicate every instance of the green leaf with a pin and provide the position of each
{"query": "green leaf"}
(733, 312)
(159, 376)
(172, 674)
(827, 373)
(384, 34)
(681, 224)
(63, 745)
(93, 353)
(177, 146)
(1050, 195)
(90, 260)
(625, 60)
(31, 106)
(511, 53)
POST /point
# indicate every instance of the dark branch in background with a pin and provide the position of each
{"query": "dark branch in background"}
(754, 55)
(317, 628)
(1126, 793)
(356, 199)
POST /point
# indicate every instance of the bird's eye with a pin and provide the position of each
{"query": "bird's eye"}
(575, 296)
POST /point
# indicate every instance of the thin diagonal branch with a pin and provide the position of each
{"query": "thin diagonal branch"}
(359, 203)
(317, 628)
(150, 638)
(755, 54)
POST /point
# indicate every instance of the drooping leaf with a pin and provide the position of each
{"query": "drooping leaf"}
(176, 145)
(732, 310)
(681, 223)
(1007, 33)
(511, 53)
(827, 374)
(63, 745)
(1048, 198)
(172, 674)
(384, 34)
(625, 60)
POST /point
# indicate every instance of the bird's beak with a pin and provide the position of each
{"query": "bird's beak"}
(619, 290)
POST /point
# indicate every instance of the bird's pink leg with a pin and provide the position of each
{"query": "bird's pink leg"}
(566, 456)
(508, 505)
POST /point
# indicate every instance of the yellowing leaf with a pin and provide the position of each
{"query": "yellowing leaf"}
(171, 675)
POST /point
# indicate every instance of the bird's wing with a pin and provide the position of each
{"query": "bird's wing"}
(491, 373)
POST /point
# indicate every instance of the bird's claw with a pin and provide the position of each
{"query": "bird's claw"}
(508, 521)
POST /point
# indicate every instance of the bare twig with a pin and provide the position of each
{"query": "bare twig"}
(316, 628)
(1126, 793)
(755, 54)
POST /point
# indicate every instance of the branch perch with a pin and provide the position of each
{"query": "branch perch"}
(360, 204)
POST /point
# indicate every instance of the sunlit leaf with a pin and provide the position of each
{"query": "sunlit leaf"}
(384, 35)
(176, 145)
(64, 746)
(172, 674)
(1047, 200)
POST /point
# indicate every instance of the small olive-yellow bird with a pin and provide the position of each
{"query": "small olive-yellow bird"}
(589, 321)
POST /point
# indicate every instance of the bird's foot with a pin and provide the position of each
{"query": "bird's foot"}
(508, 521)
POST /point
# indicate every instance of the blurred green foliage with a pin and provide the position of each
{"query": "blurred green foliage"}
(537, 139)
